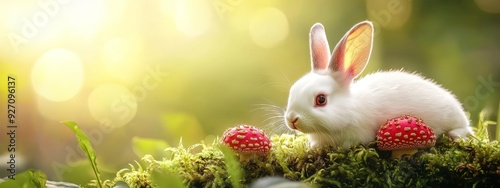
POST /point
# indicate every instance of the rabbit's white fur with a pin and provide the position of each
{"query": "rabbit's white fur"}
(355, 110)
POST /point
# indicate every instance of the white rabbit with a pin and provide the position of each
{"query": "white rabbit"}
(333, 109)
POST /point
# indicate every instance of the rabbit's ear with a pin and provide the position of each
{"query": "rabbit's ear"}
(320, 51)
(351, 54)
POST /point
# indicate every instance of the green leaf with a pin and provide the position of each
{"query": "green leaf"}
(28, 178)
(84, 143)
(154, 147)
(233, 167)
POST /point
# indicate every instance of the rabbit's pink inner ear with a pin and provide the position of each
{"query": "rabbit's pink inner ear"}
(351, 54)
(320, 51)
(337, 61)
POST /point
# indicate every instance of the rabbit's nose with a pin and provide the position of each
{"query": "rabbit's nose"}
(292, 119)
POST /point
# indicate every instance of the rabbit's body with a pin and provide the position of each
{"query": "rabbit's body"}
(404, 93)
(332, 109)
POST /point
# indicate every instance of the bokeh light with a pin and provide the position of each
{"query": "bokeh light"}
(193, 17)
(57, 75)
(84, 15)
(268, 27)
(112, 103)
(121, 59)
(489, 6)
(11, 15)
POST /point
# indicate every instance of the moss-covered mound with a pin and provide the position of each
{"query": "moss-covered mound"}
(466, 163)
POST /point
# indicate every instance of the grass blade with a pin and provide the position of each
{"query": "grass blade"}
(84, 143)
(233, 167)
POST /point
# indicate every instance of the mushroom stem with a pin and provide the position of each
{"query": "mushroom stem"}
(245, 157)
(397, 153)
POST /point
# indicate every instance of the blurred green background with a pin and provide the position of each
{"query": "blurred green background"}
(152, 72)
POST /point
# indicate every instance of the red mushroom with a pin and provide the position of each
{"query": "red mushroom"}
(405, 135)
(246, 141)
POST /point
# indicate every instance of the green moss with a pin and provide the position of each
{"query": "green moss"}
(466, 163)
(133, 177)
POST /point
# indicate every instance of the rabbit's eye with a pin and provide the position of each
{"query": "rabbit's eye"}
(320, 100)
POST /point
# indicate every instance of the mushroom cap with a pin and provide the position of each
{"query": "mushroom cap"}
(405, 132)
(247, 139)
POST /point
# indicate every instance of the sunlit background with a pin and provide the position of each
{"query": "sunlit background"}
(157, 71)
